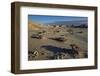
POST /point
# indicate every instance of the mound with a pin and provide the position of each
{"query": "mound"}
(34, 26)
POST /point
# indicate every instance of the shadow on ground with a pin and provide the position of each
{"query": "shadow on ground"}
(56, 50)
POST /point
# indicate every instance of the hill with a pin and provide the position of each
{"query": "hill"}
(34, 26)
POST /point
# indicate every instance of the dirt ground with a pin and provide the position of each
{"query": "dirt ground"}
(46, 48)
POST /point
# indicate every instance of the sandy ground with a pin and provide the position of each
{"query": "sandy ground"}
(46, 48)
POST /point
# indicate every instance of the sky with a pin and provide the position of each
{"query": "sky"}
(50, 19)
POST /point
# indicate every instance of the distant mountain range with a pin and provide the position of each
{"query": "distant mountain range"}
(75, 23)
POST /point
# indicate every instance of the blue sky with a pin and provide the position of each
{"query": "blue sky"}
(50, 19)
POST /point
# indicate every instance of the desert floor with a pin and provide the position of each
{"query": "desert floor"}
(47, 49)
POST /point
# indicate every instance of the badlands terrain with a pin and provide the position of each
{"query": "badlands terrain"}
(49, 42)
